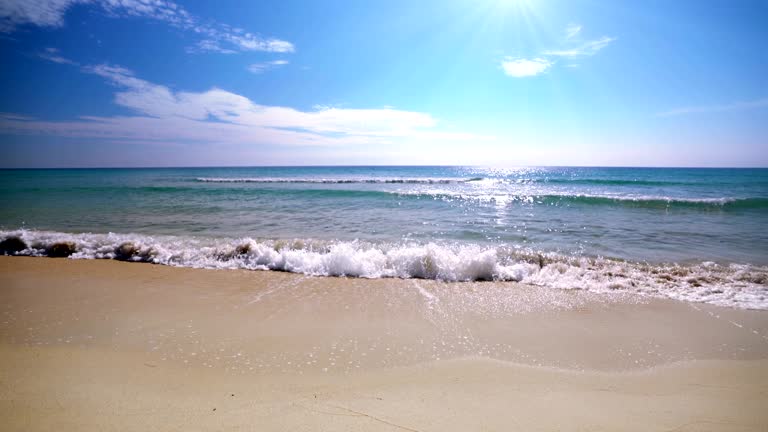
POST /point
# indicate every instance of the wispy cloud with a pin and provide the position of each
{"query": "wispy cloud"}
(208, 45)
(219, 116)
(52, 54)
(572, 30)
(519, 68)
(41, 13)
(573, 47)
(15, 117)
(734, 106)
(217, 37)
(585, 49)
(258, 68)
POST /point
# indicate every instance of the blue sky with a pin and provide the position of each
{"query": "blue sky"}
(483, 82)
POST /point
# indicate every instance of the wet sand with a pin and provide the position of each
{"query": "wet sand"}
(105, 345)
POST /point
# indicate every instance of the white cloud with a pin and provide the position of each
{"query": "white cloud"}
(575, 48)
(572, 30)
(519, 68)
(258, 68)
(44, 13)
(219, 116)
(585, 49)
(249, 42)
(735, 106)
(52, 54)
(208, 45)
(217, 37)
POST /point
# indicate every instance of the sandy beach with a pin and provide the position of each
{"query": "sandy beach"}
(106, 345)
(422, 216)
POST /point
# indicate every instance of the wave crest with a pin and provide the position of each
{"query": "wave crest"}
(391, 180)
(638, 201)
(736, 285)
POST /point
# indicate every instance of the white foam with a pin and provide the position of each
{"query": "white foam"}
(424, 180)
(735, 285)
(529, 196)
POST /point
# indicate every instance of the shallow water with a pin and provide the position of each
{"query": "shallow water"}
(564, 227)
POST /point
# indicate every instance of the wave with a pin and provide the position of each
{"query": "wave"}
(662, 201)
(425, 180)
(735, 285)
(495, 197)
(647, 201)
(430, 180)
(500, 195)
(390, 180)
(581, 181)
(613, 181)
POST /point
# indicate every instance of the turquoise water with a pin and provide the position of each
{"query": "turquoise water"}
(440, 222)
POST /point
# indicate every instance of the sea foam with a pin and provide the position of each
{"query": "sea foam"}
(735, 285)
(374, 180)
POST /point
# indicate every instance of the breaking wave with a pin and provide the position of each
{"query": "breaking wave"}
(391, 180)
(640, 201)
(735, 285)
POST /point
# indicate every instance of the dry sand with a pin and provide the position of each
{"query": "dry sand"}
(105, 345)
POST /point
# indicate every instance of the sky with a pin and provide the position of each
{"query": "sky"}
(122, 83)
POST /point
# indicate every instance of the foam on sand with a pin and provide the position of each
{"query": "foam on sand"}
(735, 285)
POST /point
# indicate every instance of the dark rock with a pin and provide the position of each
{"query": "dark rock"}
(12, 246)
(125, 251)
(61, 249)
(243, 249)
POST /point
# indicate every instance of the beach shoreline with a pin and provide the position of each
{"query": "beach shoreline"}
(108, 345)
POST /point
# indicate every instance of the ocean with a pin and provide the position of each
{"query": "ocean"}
(697, 235)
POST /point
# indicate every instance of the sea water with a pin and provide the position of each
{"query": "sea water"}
(691, 234)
